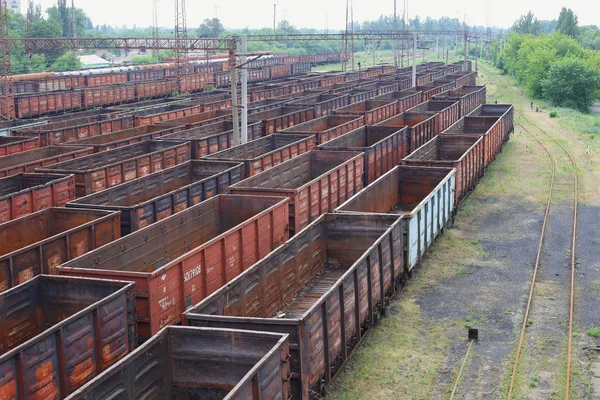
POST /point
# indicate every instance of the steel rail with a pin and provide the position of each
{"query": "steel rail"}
(573, 258)
(573, 246)
(462, 367)
(537, 262)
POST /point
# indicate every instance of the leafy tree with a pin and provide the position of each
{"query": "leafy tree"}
(415, 23)
(527, 24)
(64, 17)
(46, 29)
(541, 62)
(210, 28)
(66, 62)
(285, 26)
(508, 57)
(537, 54)
(144, 60)
(567, 23)
(16, 24)
(37, 63)
(571, 83)
(35, 10)
(589, 37)
(548, 26)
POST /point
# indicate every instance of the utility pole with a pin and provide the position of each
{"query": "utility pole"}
(402, 44)
(274, 16)
(217, 33)
(374, 49)
(345, 63)
(5, 97)
(414, 69)
(447, 50)
(476, 51)
(352, 31)
(465, 68)
(488, 41)
(73, 22)
(244, 90)
(437, 45)
(155, 23)
(181, 55)
(457, 29)
(394, 42)
(29, 27)
(234, 97)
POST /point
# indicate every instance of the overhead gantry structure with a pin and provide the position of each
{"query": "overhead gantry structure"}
(184, 44)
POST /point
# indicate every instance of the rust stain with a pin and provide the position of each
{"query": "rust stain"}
(8, 390)
(82, 372)
(44, 375)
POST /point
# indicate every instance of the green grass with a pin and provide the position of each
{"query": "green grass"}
(534, 381)
(468, 322)
(387, 365)
(594, 332)
(588, 124)
(463, 271)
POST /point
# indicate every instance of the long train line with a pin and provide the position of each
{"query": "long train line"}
(498, 94)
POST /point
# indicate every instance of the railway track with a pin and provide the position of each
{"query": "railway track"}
(564, 173)
(556, 152)
(563, 178)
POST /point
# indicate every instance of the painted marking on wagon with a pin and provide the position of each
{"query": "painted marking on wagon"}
(192, 273)
(165, 303)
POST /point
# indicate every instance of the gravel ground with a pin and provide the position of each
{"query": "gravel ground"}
(587, 301)
(509, 238)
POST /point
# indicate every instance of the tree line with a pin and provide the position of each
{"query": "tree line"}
(385, 23)
(561, 66)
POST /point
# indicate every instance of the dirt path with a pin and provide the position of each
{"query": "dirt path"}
(478, 275)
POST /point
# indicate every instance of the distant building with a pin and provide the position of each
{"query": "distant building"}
(14, 5)
(93, 61)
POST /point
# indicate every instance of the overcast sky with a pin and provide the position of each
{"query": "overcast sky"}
(322, 13)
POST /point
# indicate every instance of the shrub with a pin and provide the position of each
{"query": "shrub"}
(553, 114)
(571, 83)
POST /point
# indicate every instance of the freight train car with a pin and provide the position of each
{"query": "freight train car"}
(180, 260)
(325, 288)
